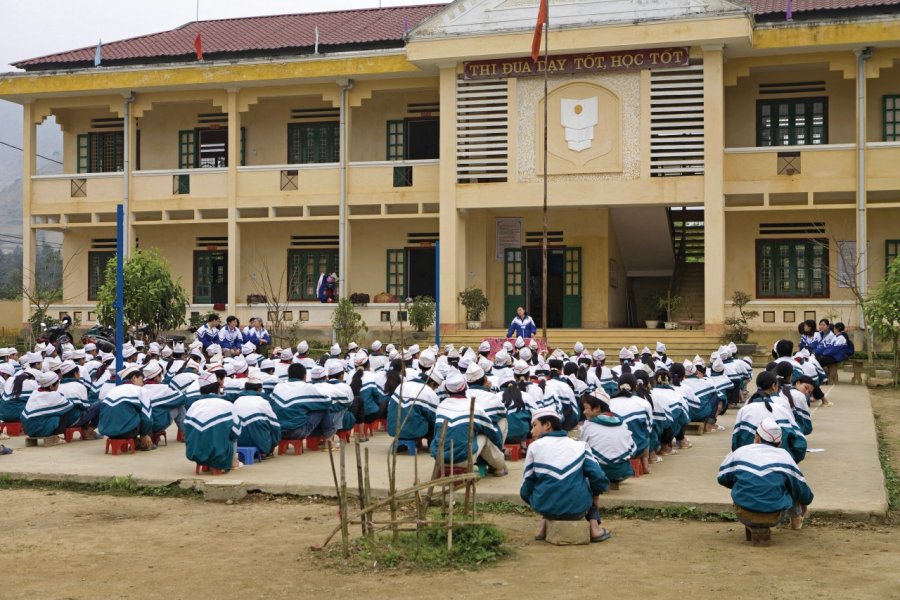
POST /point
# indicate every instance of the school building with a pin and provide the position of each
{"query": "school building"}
(696, 148)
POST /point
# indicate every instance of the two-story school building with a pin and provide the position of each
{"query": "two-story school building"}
(699, 147)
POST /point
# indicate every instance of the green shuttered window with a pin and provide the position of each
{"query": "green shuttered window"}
(792, 268)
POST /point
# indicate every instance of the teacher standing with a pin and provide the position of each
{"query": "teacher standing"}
(522, 325)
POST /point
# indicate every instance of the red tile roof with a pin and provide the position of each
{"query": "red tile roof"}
(260, 35)
(764, 7)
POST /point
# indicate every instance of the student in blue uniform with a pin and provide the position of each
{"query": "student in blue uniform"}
(608, 438)
(259, 424)
(125, 412)
(513, 394)
(162, 398)
(562, 479)
(522, 325)
(301, 407)
(211, 429)
(766, 485)
(208, 333)
(48, 413)
(761, 406)
(16, 391)
(633, 405)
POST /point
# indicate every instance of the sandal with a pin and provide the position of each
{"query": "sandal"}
(602, 537)
(4, 450)
(685, 445)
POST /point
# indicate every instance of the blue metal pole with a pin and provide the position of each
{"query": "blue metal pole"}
(437, 294)
(120, 286)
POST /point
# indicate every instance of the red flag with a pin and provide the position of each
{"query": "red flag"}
(538, 30)
(198, 47)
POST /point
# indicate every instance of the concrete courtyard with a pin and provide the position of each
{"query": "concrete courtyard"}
(845, 476)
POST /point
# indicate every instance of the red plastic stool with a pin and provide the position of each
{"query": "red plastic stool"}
(637, 466)
(283, 446)
(380, 424)
(178, 438)
(155, 437)
(206, 469)
(12, 429)
(365, 429)
(119, 446)
(69, 433)
(344, 435)
(313, 442)
(515, 451)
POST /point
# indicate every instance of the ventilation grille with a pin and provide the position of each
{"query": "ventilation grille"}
(208, 243)
(314, 241)
(422, 239)
(482, 130)
(537, 237)
(815, 228)
(103, 244)
(315, 113)
(110, 123)
(206, 118)
(800, 87)
(424, 108)
(676, 121)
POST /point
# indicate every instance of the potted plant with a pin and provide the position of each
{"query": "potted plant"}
(476, 304)
(669, 303)
(737, 327)
(421, 315)
(359, 299)
(651, 307)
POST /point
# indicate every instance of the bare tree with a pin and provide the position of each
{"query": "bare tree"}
(42, 291)
(271, 289)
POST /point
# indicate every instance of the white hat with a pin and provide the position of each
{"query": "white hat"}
(436, 375)
(525, 354)
(505, 377)
(805, 353)
(53, 364)
(698, 361)
(689, 367)
(393, 354)
(7, 369)
(769, 431)
(547, 411)
(474, 373)
(360, 358)
(30, 358)
(427, 358)
(178, 348)
(406, 356)
(47, 379)
(67, 366)
(335, 350)
(646, 350)
(240, 364)
(532, 344)
(127, 371)
(414, 349)
(486, 365)
(352, 346)
(318, 372)
(717, 365)
(138, 343)
(579, 348)
(67, 355)
(286, 354)
(213, 349)
(732, 347)
(267, 363)
(153, 348)
(455, 383)
(303, 347)
(207, 378)
(166, 352)
(464, 362)
(4, 351)
(376, 346)
(254, 376)
(193, 364)
(196, 344)
(229, 369)
(152, 369)
(248, 348)
(660, 347)
(748, 360)
(599, 355)
(90, 347)
(626, 354)
(390, 348)
(501, 358)
(484, 346)
(520, 367)
(334, 367)
(107, 357)
(601, 394)
(724, 353)
(520, 342)
(507, 345)
(452, 353)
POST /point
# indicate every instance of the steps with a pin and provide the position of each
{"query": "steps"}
(680, 344)
(692, 290)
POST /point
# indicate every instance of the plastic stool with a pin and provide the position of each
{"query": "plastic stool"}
(155, 437)
(297, 444)
(125, 446)
(364, 429)
(179, 437)
(249, 454)
(637, 466)
(12, 429)
(380, 424)
(344, 435)
(313, 442)
(410, 446)
(69, 433)
(515, 451)
(206, 469)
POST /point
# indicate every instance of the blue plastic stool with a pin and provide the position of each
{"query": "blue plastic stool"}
(247, 454)
(410, 446)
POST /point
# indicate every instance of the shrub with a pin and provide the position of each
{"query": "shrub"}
(347, 323)
(737, 328)
(421, 313)
(475, 303)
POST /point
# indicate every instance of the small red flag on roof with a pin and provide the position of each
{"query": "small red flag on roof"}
(198, 47)
(538, 30)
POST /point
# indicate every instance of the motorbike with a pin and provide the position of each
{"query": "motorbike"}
(57, 335)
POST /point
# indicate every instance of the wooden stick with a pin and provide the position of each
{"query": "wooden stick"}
(345, 529)
(438, 470)
(443, 524)
(450, 513)
(368, 495)
(359, 478)
(337, 487)
(470, 486)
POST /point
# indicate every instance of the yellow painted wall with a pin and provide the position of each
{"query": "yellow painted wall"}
(888, 82)
(266, 126)
(76, 245)
(73, 122)
(617, 295)
(177, 244)
(10, 321)
(159, 131)
(367, 123)
(740, 102)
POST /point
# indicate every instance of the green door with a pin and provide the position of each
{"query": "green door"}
(513, 282)
(210, 277)
(572, 292)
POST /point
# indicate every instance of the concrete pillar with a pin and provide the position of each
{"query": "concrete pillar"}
(452, 228)
(234, 236)
(131, 236)
(713, 192)
(29, 135)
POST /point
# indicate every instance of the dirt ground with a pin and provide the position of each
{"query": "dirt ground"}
(70, 545)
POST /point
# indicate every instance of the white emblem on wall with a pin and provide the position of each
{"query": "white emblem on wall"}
(579, 117)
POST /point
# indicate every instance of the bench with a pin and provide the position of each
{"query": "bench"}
(857, 372)
(831, 372)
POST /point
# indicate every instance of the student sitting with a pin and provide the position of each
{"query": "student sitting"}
(562, 479)
(766, 484)
(794, 399)
(632, 406)
(608, 438)
(366, 406)
(455, 411)
(162, 398)
(259, 424)
(837, 349)
(515, 399)
(760, 406)
(125, 412)
(485, 399)
(211, 429)
(16, 391)
(72, 386)
(300, 407)
(411, 409)
(48, 413)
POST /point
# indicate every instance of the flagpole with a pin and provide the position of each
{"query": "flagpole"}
(546, 167)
